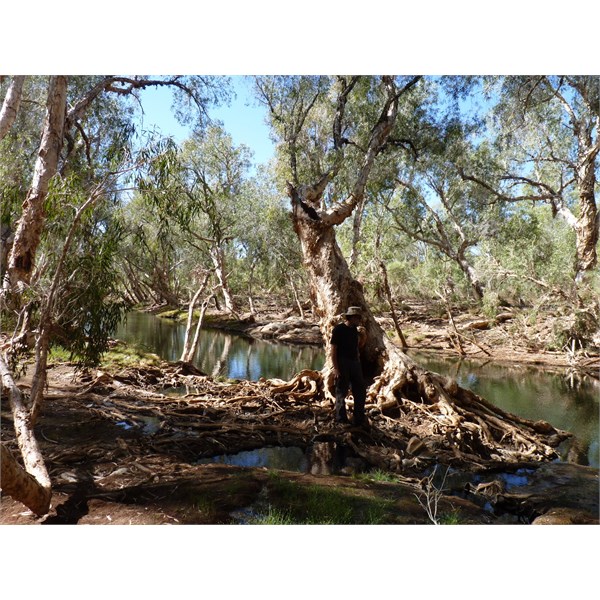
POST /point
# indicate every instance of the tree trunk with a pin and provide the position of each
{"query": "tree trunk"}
(29, 228)
(10, 106)
(333, 289)
(32, 487)
(472, 277)
(356, 231)
(20, 485)
(218, 259)
(189, 346)
(296, 297)
(390, 300)
(586, 227)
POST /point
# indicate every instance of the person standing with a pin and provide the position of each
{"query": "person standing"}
(346, 341)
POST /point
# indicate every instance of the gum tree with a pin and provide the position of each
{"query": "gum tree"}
(548, 128)
(331, 132)
(64, 141)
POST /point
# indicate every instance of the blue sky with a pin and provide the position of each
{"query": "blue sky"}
(244, 120)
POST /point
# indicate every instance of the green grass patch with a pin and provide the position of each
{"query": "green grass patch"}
(176, 314)
(452, 518)
(129, 355)
(273, 516)
(377, 475)
(121, 355)
(291, 502)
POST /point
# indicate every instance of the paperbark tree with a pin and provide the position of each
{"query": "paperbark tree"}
(456, 418)
(30, 485)
(21, 264)
(10, 106)
(21, 259)
(550, 130)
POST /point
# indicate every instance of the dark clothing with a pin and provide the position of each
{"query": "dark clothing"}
(350, 375)
(344, 340)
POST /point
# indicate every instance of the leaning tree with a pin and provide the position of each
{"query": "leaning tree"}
(331, 133)
(70, 116)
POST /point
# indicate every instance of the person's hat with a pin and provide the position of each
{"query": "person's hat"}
(353, 311)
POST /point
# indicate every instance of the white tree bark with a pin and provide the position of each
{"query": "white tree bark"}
(218, 260)
(35, 490)
(10, 106)
(29, 228)
(189, 346)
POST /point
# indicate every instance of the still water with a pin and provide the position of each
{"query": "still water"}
(567, 402)
(220, 353)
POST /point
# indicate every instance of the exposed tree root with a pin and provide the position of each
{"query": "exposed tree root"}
(455, 423)
(416, 416)
(417, 419)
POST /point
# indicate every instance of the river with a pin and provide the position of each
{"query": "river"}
(566, 401)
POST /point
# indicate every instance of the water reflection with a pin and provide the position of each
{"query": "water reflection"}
(278, 457)
(565, 401)
(321, 458)
(220, 353)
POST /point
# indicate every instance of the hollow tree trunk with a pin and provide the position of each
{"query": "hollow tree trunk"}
(29, 228)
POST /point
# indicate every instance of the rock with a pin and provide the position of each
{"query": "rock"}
(566, 516)
(556, 489)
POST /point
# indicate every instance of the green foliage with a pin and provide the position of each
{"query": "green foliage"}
(86, 310)
(531, 247)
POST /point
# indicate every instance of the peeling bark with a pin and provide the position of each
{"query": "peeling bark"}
(29, 228)
(586, 227)
(20, 485)
(10, 106)
(31, 486)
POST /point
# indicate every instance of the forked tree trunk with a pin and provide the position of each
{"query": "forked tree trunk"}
(218, 260)
(190, 346)
(333, 289)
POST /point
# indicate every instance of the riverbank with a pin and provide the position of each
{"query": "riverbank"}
(511, 337)
(124, 445)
